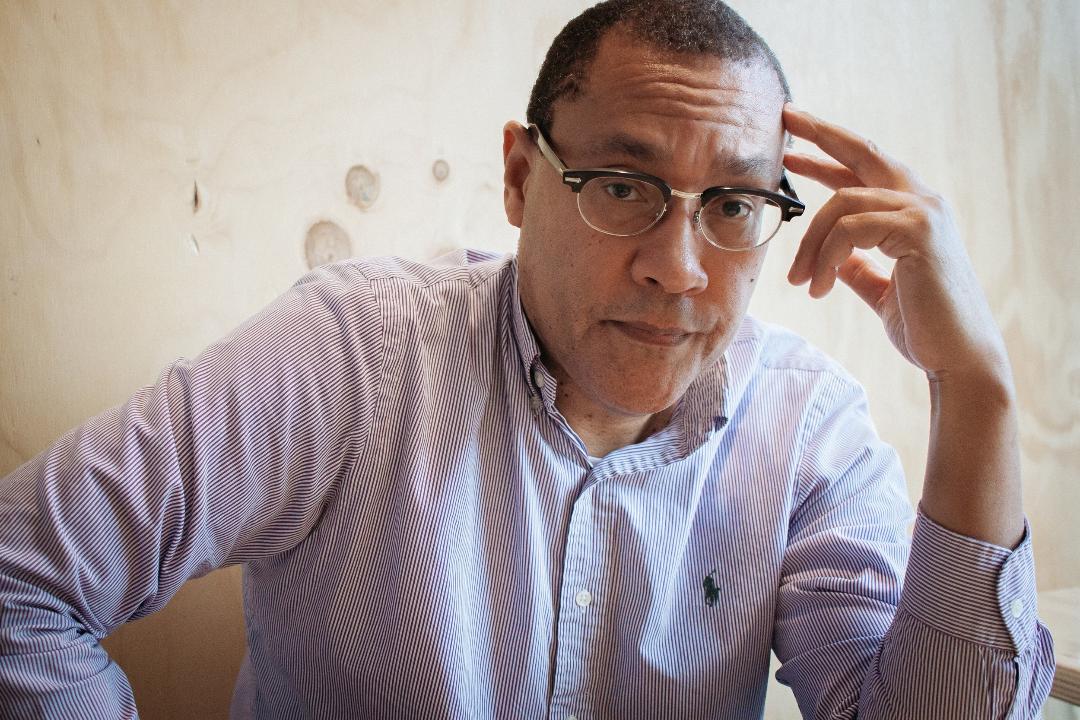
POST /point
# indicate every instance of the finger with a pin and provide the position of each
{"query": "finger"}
(829, 173)
(847, 201)
(866, 277)
(851, 232)
(861, 156)
(821, 284)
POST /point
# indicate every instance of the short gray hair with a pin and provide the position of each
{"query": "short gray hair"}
(693, 27)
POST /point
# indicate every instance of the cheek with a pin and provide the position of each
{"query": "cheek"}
(573, 261)
(732, 278)
(731, 285)
(556, 285)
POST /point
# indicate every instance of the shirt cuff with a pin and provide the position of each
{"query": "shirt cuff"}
(971, 589)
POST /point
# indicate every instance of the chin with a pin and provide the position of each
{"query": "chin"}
(649, 400)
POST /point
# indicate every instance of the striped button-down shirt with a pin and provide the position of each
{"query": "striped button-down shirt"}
(426, 536)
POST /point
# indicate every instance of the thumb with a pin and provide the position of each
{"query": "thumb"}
(863, 275)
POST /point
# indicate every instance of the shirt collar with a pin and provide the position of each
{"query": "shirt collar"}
(540, 382)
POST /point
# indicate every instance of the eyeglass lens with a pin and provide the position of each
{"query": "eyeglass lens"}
(626, 206)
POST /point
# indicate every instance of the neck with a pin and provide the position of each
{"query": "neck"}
(605, 430)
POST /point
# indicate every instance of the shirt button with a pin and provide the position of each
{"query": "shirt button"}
(538, 378)
(536, 404)
(583, 599)
(1017, 607)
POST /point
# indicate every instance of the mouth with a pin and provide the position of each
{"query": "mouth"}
(653, 335)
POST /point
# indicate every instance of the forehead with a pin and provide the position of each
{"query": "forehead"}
(674, 106)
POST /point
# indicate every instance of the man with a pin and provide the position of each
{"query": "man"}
(578, 482)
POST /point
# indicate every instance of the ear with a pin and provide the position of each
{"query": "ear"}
(517, 163)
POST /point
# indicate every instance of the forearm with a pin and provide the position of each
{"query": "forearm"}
(966, 631)
(960, 640)
(972, 483)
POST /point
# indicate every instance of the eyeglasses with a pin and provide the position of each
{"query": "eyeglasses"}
(624, 203)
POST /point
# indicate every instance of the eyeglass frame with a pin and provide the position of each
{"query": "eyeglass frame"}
(788, 202)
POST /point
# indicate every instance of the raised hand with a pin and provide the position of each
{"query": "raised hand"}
(932, 307)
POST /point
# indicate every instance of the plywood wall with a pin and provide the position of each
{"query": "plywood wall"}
(162, 163)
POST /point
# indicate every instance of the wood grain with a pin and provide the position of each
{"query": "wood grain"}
(112, 113)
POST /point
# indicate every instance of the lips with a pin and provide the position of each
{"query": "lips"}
(652, 334)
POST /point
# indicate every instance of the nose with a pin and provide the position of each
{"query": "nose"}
(669, 254)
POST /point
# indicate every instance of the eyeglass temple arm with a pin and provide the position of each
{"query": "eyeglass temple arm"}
(796, 208)
(545, 149)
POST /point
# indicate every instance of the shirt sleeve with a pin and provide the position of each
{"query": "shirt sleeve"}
(225, 459)
(872, 625)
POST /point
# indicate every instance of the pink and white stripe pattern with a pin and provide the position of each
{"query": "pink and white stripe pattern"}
(425, 536)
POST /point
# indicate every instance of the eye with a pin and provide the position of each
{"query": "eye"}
(736, 208)
(622, 191)
(731, 208)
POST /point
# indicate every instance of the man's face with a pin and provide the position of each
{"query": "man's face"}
(630, 322)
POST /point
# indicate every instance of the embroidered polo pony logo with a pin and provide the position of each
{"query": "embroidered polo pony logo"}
(712, 592)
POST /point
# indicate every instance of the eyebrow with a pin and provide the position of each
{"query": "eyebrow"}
(625, 146)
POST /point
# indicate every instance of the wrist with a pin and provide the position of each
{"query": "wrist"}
(987, 383)
(972, 483)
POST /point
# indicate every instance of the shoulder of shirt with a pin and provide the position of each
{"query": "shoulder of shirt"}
(773, 347)
(468, 268)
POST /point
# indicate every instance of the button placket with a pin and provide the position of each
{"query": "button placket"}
(539, 382)
(576, 627)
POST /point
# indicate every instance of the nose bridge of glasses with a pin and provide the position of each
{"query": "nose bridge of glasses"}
(693, 200)
(690, 197)
(694, 217)
(686, 195)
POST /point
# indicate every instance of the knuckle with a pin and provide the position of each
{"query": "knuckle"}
(921, 219)
(846, 225)
(849, 196)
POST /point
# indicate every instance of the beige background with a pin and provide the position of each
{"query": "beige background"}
(113, 113)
